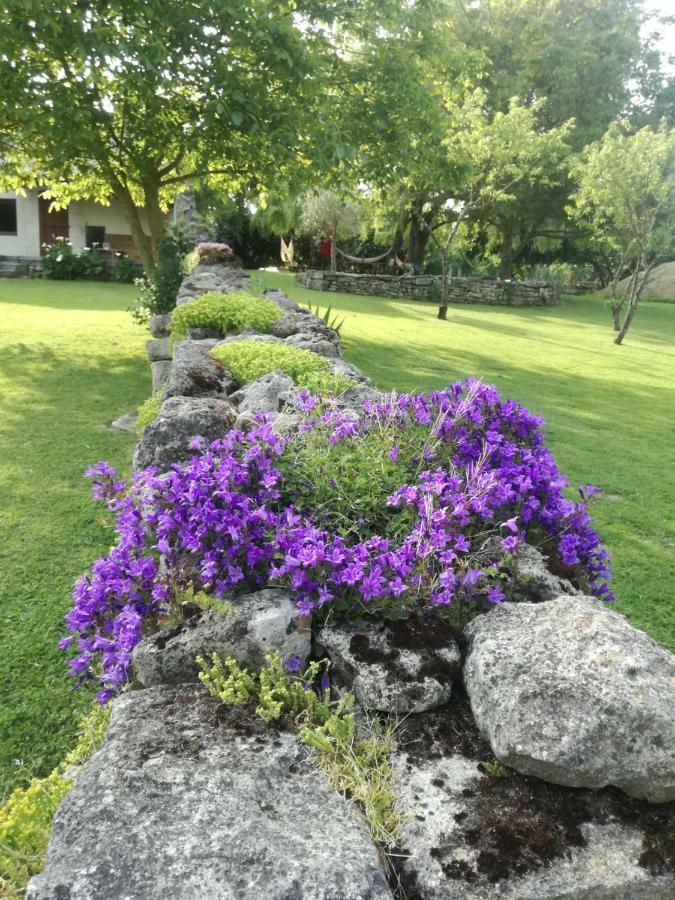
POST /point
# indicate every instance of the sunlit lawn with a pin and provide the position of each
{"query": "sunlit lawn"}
(71, 360)
(610, 410)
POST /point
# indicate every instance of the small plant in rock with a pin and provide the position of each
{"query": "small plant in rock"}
(355, 763)
(331, 321)
(148, 411)
(226, 313)
(248, 360)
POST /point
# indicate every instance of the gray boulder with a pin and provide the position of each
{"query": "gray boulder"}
(470, 836)
(159, 325)
(158, 348)
(283, 423)
(266, 394)
(195, 373)
(570, 692)
(190, 800)
(203, 334)
(314, 342)
(127, 423)
(398, 667)
(534, 582)
(281, 300)
(348, 370)
(264, 620)
(160, 370)
(165, 441)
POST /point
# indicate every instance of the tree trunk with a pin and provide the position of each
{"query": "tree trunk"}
(333, 254)
(636, 288)
(156, 218)
(616, 318)
(142, 241)
(418, 238)
(443, 308)
(506, 256)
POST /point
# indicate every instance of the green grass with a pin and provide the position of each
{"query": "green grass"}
(71, 360)
(610, 410)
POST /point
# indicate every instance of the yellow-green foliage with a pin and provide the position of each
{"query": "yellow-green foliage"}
(248, 360)
(26, 816)
(225, 312)
(357, 766)
(148, 411)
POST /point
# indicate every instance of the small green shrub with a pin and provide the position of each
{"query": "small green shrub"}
(126, 270)
(148, 411)
(331, 321)
(26, 816)
(225, 312)
(158, 288)
(248, 360)
(359, 767)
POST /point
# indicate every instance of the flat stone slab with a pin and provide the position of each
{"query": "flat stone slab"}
(189, 800)
(398, 667)
(195, 373)
(166, 440)
(258, 622)
(568, 691)
(473, 835)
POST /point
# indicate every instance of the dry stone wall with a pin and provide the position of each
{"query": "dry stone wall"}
(191, 800)
(489, 292)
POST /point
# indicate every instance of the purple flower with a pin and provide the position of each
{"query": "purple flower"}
(226, 520)
(293, 664)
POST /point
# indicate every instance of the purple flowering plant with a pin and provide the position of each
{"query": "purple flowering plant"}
(415, 502)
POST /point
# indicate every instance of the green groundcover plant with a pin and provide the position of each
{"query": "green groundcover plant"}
(26, 816)
(355, 760)
(225, 312)
(248, 360)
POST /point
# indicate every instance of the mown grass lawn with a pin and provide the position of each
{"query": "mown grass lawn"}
(610, 410)
(71, 360)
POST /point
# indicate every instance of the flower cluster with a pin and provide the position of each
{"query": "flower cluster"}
(214, 245)
(464, 476)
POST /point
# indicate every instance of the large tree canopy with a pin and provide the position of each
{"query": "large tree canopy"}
(131, 98)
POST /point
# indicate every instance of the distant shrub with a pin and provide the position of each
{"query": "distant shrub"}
(225, 312)
(158, 288)
(26, 817)
(63, 263)
(248, 360)
(125, 270)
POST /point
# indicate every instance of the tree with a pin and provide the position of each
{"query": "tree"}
(502, 162)
(131, 99)
(327, 215)
(626, 197)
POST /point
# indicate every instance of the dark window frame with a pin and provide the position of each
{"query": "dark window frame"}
(7, 201)
(88, 238)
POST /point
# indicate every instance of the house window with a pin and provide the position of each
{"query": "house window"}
(94, 235)
(7, 216)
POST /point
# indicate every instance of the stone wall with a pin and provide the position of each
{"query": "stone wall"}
(189, 800)
(487, 291)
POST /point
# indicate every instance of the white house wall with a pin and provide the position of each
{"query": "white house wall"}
(80, 214)
(26, 242)
(85, 212)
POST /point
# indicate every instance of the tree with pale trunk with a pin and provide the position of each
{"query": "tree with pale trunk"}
(626, 199)
(326, 215)
(133, 99)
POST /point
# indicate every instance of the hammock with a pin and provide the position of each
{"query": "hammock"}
(287, 251)
(364, 260)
